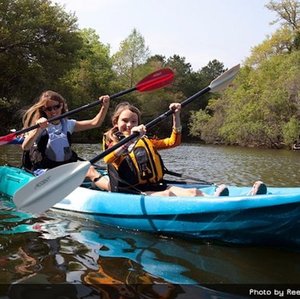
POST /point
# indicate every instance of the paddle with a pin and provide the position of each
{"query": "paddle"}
(188, 177)
(46, 190)
(169, 172)
(153, 81)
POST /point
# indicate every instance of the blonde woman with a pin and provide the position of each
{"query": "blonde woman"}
(49, 145)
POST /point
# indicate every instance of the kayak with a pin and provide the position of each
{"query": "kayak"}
(273, 218)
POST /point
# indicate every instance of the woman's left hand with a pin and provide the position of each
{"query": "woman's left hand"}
(105, 100)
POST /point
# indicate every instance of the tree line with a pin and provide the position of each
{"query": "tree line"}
(262, 108)
(41, 47)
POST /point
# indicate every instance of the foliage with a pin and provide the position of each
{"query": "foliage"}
(205, 126)
(288, 12)
(262, 107)
(187, 83)
(198, 121)
(281, 42)
(131, 55)
(91, 77)
(291, 131)
(255, 110)
(42, 48)
(38, 45)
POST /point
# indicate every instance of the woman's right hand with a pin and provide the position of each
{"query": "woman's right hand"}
(176, 107)
(31, 136)
(141, 129)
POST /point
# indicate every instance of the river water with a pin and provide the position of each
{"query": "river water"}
(97, 261)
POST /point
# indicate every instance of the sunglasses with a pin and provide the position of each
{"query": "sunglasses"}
(49, 109)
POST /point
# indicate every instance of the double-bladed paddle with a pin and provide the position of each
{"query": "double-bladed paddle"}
(153, 81)
(51, 187)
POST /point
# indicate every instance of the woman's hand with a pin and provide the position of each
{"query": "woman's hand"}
(105, 100)
(127, 147)
(32, 135)
(176, 107)
(42, 122)
(141, 129)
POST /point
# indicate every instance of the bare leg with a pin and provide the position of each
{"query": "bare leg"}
(177, 191)
(258, 188)
(160, 193)
(102, 182)
(222, 190)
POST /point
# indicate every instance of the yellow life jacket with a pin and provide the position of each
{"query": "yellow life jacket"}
(142, 166)
(147, 162)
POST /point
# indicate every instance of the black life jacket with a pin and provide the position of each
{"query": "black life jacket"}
(37, 157)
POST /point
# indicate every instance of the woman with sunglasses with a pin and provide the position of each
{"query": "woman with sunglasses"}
(49, 145)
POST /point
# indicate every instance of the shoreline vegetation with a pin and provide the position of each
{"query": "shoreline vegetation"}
(260, 109)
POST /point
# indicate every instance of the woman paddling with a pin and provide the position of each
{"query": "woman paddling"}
(136, 166)
(49, 145)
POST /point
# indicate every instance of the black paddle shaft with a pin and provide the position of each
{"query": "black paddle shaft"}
(91, 105)
(183, 104)
(148, 125)
(76, 110)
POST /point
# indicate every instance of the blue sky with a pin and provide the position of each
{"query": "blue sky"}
(199, 30)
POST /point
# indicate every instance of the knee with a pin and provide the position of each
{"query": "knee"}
(92, 173)
(168, 193)
(194, 192)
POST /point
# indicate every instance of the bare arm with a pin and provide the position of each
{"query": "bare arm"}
(95, 122)
(176, 107)
(32, 136)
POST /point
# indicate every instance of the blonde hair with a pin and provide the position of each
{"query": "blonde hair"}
(36, 110)
(110, 136)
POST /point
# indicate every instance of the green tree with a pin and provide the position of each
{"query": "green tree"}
(288, 12)
(291, 131)
(132, 53)
(262, 108)
(281, 42)
(38, 45)
(182, 71)
(93, 74)
(263, 101)
(89, 79)
(205, 124)
(213, 69)
(187, 83)
(199, 114)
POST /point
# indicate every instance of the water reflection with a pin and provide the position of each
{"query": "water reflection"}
(174, 260)
(55, 250)
(92, 259)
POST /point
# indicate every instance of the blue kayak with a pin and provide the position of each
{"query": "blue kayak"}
(240, 218)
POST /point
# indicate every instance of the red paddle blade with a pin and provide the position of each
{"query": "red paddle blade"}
(156, 80)
(7, 138)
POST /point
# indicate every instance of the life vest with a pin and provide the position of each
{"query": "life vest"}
(53, 148)
(140, 169)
